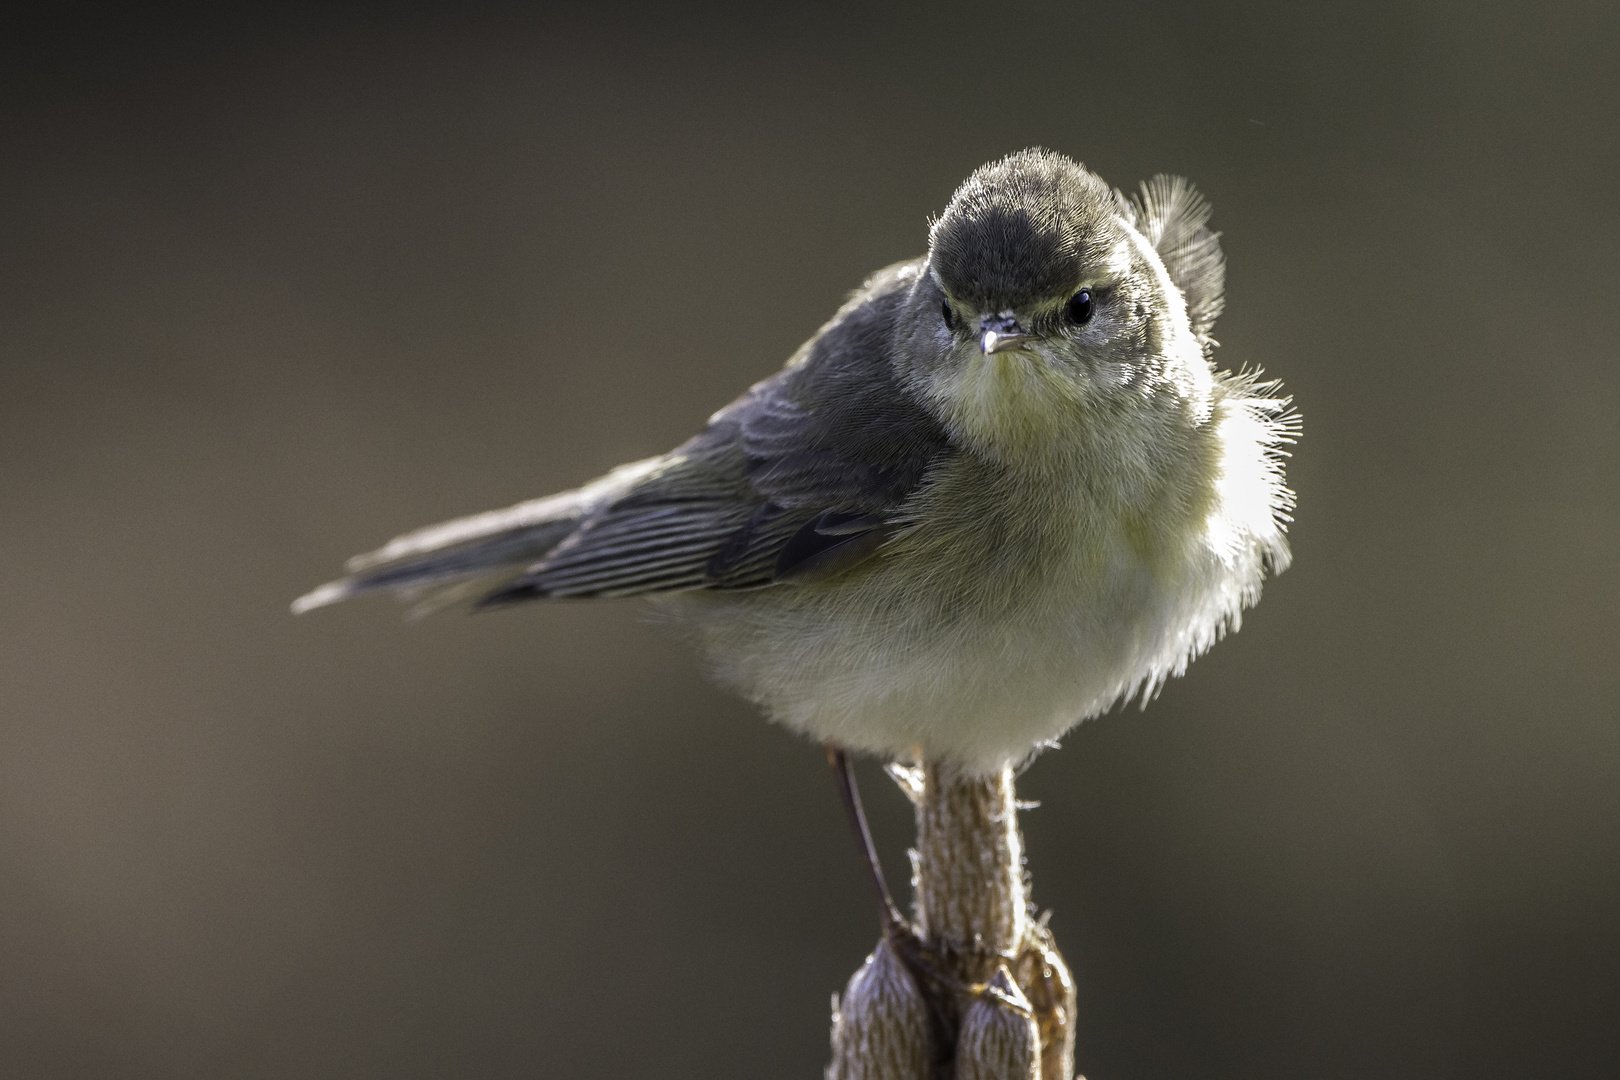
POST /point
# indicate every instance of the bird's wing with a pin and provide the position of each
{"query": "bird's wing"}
(799, 479)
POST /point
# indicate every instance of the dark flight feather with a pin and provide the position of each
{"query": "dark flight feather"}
(830, 545)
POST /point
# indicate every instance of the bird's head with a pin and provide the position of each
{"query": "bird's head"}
(1041, 301)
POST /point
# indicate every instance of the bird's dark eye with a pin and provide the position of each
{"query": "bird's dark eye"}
(948, 315)
(1079, 309)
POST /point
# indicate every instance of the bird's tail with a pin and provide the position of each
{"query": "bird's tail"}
(441, 564)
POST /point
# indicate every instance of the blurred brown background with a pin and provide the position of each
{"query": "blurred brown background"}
(276, 287)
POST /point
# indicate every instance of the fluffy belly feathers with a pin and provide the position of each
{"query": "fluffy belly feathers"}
(975, 640)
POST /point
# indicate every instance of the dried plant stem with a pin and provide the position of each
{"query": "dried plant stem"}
(976, 990)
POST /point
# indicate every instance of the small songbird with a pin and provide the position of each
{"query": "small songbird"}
(1001, 490)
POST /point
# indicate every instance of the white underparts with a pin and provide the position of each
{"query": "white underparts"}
(1026, 599)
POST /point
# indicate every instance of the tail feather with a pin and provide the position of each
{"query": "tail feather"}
(410, 565)
(433, 566)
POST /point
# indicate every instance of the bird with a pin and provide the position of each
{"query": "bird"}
(1003, 489)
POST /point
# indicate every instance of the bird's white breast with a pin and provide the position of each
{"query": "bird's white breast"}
(1023, 601)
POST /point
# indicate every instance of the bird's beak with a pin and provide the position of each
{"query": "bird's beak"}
(1000, 332)
(991, 341)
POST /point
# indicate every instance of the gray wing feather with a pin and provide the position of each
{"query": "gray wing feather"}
(801, 477)
(746, 503)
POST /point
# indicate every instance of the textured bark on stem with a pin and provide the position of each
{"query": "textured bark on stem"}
(981, 985)
(969, 871)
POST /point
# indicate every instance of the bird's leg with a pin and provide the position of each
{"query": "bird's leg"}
(925, 965)
(894, 925)
(935, 983)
